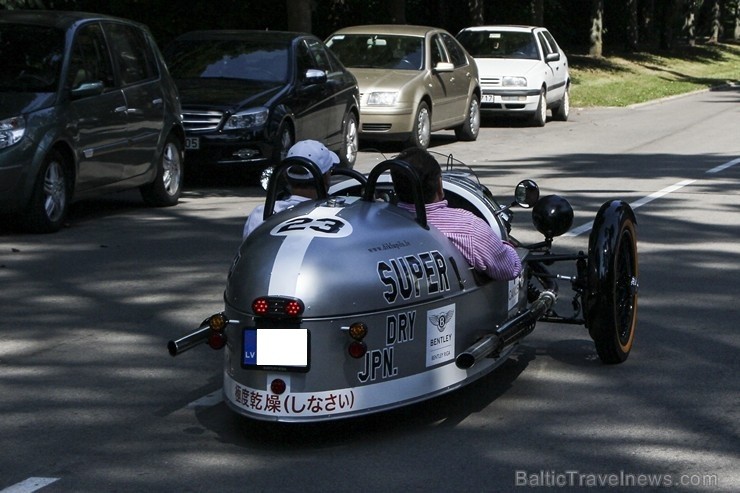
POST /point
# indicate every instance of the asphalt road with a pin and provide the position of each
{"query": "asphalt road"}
(90, 401)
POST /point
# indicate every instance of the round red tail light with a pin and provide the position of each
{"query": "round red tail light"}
(357, 349)
(278, 386)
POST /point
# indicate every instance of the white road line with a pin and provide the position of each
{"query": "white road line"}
(660, 193)
(29, 485)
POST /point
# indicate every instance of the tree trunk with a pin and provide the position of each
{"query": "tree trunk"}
(477, 12)
(299, 15)
(632, 25)
(538, 12)
(735, 9)
(716, 22)
(597, 28)
(689, 23)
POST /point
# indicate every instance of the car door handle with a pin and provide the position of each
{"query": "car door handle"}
(157, 101)
(121, 109)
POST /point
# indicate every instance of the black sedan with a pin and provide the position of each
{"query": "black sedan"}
(247, 96)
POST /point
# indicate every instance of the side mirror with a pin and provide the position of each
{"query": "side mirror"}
(552, 57)
(87, 89)
(444, 67)
(314, 76)
(526, 194)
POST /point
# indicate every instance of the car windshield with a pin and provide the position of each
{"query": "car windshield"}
(378, 51)
(31, 58)
(499, 44)
(228, 59)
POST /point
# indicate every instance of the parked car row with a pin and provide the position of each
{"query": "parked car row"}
(89, 105)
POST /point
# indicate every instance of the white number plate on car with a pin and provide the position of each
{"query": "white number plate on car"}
(192, 143)
(487, 98)
(283, 348)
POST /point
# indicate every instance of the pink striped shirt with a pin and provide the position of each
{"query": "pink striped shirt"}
(474, 238)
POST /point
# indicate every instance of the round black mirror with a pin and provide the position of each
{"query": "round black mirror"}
(526, 194)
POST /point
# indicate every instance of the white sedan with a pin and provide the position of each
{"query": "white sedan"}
(522, 71)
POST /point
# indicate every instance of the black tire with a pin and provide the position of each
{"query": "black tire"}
(540, 115)
(49, 204)
(285, 142)
(421, 133)
(468, 131)
(611, 297)
(166, 188)
(350, 142)
(562, 112)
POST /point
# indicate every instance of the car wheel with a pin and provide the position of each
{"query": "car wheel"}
(540, 115)
(469, 129)
(50, 199)
(611, 299)
(562, 112)
(285, 143)
(165, 190)
(350, 142)
(422, 130)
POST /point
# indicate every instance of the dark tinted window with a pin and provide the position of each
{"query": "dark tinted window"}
(90, 61)
(31, 58)
(378, 51)
(457, 55)
(228, 59)
(132, 53)
(438, 52)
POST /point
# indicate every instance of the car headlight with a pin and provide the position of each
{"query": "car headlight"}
(382, 98)
(11, 131)
(255, 117)
(510, 81)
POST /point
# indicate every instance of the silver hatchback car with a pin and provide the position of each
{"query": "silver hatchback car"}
(413, 80)
(86, 107)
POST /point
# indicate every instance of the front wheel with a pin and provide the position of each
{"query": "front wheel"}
(350, 142)
(166, 188)
(468, 131)
(540, 115)
(422, 129)
(50, 199)
(611, 297)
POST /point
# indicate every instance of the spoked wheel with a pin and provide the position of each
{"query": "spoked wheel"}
(50, 200)
(611, 297)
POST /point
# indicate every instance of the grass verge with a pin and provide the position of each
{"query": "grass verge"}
(639, 77)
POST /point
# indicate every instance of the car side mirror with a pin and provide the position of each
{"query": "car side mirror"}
(314, 76)
(552, 57)
(87, 89)
(526, 194)
(444, 67)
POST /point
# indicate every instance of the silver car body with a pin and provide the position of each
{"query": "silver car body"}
(349, 260)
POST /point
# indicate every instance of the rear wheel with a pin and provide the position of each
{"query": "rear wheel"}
(50, 199)
(562, 112)
(611, 298)
(166, 188)
(422, 131)
(540, 115)
(468, 131)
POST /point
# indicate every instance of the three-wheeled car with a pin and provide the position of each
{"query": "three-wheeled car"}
(350, 305)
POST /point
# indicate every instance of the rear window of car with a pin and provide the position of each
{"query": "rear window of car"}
(499, 44)
(228, 59)
(378, 51)
(31, 58)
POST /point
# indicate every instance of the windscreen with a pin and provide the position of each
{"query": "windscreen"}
(499, 44)
(31, 58)
(378, 51)
(228, 59)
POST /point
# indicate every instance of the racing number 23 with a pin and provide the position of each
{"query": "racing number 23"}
(311, 226)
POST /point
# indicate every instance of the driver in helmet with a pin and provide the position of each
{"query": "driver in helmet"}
(300, 180)
(471, 235)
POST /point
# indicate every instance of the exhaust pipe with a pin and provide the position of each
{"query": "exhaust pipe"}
(511, 331)
(189, 341)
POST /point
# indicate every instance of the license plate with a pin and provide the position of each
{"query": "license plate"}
(286, 349)
(487, 98)
(192, 143)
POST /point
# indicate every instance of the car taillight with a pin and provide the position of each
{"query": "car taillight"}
(217, 337)
(278, 307)
(357, 348)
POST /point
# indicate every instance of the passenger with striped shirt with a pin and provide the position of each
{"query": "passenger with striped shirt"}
(475, 239)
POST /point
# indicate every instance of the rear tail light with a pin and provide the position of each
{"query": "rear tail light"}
(278, 307)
